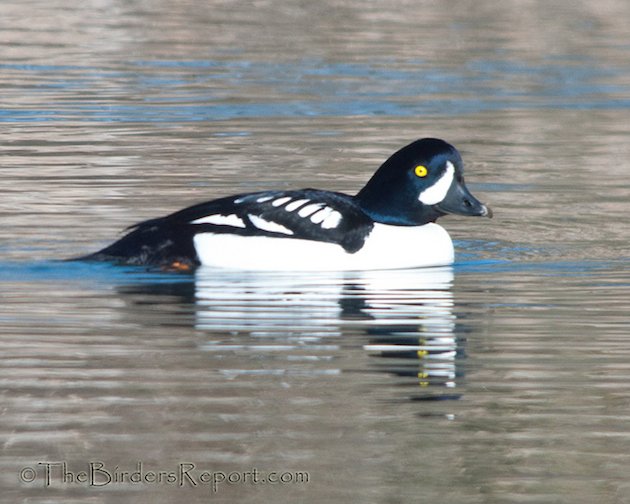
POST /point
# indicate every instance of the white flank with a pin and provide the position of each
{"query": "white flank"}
(281, 201)
(332, 221)
(437, 192)
(309, 209)
(266, 225)
(387, 247)
(221, 220)
(295, 204)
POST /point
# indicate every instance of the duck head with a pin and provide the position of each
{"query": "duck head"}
(418, 184)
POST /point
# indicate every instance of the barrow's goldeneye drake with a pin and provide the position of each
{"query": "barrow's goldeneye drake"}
(389, 224)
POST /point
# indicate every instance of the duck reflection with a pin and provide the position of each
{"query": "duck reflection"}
(404, 320)
(316, 323)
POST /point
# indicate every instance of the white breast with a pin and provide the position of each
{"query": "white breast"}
(387, 247)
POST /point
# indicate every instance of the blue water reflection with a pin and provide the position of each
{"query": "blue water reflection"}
(206, 90)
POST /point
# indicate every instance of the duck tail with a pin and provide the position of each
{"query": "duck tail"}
(157, 242)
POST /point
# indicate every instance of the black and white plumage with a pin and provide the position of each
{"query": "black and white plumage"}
(388, 224)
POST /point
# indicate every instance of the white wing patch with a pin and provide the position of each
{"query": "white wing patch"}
(325, 216)
(319, 216)
(281, 201)
(332, 221)
(221, 220)
(437, 192)
(270, 226)
(309, 209)
(295, 204)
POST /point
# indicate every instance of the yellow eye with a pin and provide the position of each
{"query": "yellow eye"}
(421, 171)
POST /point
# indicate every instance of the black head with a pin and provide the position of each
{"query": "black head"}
(418, 184)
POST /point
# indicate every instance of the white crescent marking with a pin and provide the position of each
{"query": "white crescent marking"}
(437, 192)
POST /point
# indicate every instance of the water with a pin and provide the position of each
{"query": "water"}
(501, 379)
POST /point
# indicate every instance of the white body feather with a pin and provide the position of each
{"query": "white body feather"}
(386, 247)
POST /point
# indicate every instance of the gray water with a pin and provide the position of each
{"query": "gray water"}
(504, 378)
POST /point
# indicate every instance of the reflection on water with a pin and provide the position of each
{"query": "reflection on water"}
(406, 316)
(301, 322)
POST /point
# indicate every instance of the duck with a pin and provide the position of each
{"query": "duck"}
(389, 224)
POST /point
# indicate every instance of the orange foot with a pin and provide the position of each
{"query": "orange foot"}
(178, 266)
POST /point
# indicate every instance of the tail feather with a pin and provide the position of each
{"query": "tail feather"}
(153, 243)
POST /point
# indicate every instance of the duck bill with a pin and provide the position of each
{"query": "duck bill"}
(459, 201)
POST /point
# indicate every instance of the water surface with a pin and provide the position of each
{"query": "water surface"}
(500, 379)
